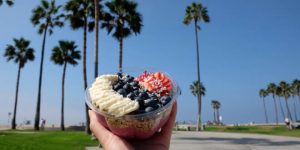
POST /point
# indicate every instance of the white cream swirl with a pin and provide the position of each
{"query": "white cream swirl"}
(107, 100)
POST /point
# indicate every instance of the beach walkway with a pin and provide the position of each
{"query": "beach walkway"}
(229, 141)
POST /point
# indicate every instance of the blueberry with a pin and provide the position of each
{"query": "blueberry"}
(127, 87)
(136, 92)
(149, 109)
(129, 79)
(165, 100)
(158, 105)
(153, 96)
(134, 83)
(120, 82)
(135, 87)
(122, 92)
(162, 98)
(139, 98)
(117, 86)
(150, 102)
(143, 95)
(168, 98)
(120, 75)
(141, 103)
(130, 95)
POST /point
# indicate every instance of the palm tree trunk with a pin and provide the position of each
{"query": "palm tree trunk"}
(295, 111)
(214, 115)
(281, 108)
(198, 78)
(276, 111)
(87, 121)
(13, 125)
(62, 121)
(121, 50)
(38, 106)
(96, 35)
(298, 97)
(218, 117)
(288, 109)
(266, 115)
(199, 115)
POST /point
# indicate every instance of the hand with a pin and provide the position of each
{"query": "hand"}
(109, 141)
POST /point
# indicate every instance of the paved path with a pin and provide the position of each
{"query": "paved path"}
(229, 141)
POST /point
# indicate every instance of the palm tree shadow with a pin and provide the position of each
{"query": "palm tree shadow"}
(242, 141)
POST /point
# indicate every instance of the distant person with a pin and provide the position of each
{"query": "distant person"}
(288, 123)
(109, 141)
(220, 120)
(43, 122)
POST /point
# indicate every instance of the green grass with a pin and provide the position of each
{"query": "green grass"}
(46, 140)
(270, 130)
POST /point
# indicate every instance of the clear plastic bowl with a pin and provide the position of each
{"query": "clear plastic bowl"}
(137, 126)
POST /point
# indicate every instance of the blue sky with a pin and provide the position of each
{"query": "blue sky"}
(246, 45)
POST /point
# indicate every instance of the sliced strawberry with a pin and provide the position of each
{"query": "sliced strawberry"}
(156, 82)
(157, 75)
(165, 81)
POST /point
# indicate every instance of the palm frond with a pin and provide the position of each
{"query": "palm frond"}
(9, 2)
(20, 52)
(80, 10)
(10, 52)
(196, 88)
(65, 52)
(45, 4)
(195, 12)
(46, 14)
(123, 17)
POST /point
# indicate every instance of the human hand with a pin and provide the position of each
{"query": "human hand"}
(109, 141)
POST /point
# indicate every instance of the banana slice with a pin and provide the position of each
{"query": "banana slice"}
(107, 100)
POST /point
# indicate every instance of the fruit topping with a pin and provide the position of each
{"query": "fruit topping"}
(150, 90)
(155, 82)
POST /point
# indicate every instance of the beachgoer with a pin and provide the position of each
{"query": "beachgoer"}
(109, 141)
(43, 122)
(288, 123)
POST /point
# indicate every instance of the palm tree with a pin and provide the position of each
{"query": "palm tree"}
(286, 93)
(8, 2)
(197, 13)
(278, 93)
(20, 52)
(81, 14)
(197, 88)
(216, 106)
(296, 92)
(124, 20)
(64, 54)
(272, 90)
(263, 93)
(296, 88)
(47, 17)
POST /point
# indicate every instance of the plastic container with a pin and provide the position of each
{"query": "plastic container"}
(137, 126)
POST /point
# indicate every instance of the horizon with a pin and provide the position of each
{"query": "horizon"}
(241, 50)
